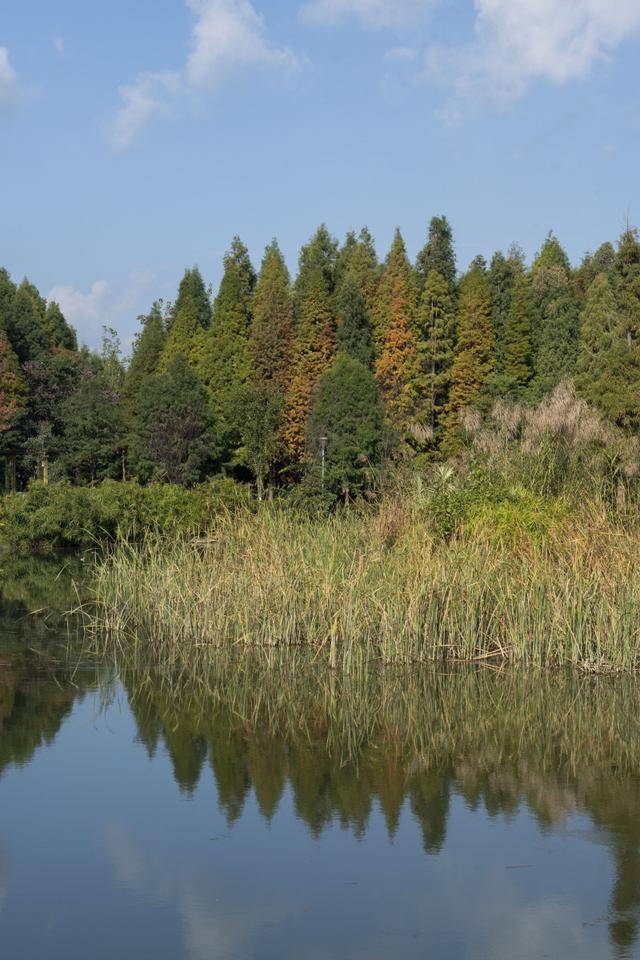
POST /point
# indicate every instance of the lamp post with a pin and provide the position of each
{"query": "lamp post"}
(323, 448)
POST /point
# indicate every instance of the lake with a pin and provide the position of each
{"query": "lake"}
(275, 810)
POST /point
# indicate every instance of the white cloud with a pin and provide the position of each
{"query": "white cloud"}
(227, 35)
(371, 13)
(401, 55)
(103, 306)
(58, 44)
(150, 94)
(8, 79)
(520, 41)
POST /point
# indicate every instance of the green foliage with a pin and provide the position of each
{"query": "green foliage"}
(58, 332)
(25, 325)
(192, 297)
(271, 336)
(358, 261)
(147, 350)
(354, 326)
(319, 255)
(517, 349)
(438, 254)
(555, 334)
(61, 516)
(256, 411)
(436, 334)
(93, 444)
(396, 268)
(171, 433)
(186, 339)
(349, 414)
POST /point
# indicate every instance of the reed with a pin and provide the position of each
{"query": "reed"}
(380, 586)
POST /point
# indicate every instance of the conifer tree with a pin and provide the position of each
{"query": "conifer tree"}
(320, 254)
(58, 332)
(607, 373)
(257, 416)
(517, 351)
(473, 355)
(192, 294)
(551, 254)
(349, 413)
(627, 269)
(602, 261)
(397, 368)
(93, 432)
(13, 389)
(186, 338)
(354, 328)
(271, 338)
(358, 259)
(313, 352)
(558, 322)
(26, 325)
(226, 361)
(396, 267)
(147, 350)
(437, 254)
(502, 276)
(436, 333)
(7, 297)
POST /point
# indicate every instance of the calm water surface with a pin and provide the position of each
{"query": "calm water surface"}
(276, 811)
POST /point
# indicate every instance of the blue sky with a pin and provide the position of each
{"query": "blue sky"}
(138, 138)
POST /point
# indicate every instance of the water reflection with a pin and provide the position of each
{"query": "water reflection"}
(279, 733)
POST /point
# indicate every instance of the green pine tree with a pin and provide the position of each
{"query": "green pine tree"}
(473, 356)
(25, 327)
(320, 254)
(192, 294)
(517, 350)
(438, 254)
(147, 350)
(58, 332)
(436, 337)
(557, 321)
(271, 335)
(186, 338)
(396, 267)
(358, 259)
(607, 371)
(354, 327)
(627, 271)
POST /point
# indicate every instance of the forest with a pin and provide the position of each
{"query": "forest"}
(321, 381)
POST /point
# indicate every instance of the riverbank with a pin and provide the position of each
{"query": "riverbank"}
(528, 580)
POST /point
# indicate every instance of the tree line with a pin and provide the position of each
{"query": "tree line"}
(322, 378)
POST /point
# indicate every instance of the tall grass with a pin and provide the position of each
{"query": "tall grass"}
(383, 587)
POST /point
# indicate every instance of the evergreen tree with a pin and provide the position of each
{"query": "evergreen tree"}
(147, 350)
(437, 254)
(354, 328)
(473, 355)
(13, 389)
(111, 363)
(272, 321)
(551, 254)
(436, 335)
(171, 436)
(397, 267)
(397, 366)
(502, 277)
(517, 351)
(359, 261)
(25, 327)
(627, 268)
(186, 338)
(226, 361)
(313, 353)
(348, 412)
(192, 295)
(607, 373)
(558, 321)
(319, 255)
(93, 432)
(57, 331)
(7, 297)
(602, 261)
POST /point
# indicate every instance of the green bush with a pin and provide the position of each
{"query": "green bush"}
(62, 517)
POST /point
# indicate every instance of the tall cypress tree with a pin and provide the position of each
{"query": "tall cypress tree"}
(473, 355)
(58, 332)
(313, 353)
(396, 267)
(192, 294)
(147, 350)
(517, 350)
(396, 368)
(226, 362)
(437, 254)
(319, 255)
(354, 327)
(607, 373)
(186, 338)
(272, 330)
(627, 270)
(7, 297)
(502, 277)
(558, 321)
(26, 325)
(358, 259)
(436, 337)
